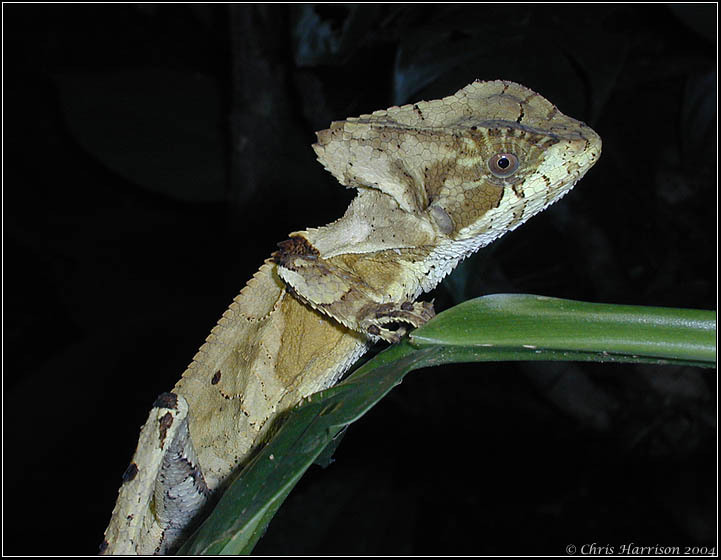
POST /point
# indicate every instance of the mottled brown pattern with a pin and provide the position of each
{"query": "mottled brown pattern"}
(166, 400)
(294, 246)
(426, 199)
(164, 424)
(467, 205)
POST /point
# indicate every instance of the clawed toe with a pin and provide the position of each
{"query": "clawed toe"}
(411, 313)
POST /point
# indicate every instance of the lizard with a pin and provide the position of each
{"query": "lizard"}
(436, 181)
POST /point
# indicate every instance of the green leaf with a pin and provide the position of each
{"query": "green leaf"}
(492, 328)
(325, 459)
(529, 327)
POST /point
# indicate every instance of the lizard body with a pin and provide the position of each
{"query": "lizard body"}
(436, 181)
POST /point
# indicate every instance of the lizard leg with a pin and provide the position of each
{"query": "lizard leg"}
(363, 295)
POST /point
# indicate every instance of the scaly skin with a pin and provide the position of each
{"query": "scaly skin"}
(436, 181)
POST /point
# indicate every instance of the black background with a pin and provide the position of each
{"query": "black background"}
(154, 155)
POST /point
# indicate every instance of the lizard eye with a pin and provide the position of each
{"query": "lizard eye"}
(503, 165)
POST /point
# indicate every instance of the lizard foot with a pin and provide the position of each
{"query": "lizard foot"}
(382, 316)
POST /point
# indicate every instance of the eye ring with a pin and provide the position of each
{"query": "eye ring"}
(503, 164)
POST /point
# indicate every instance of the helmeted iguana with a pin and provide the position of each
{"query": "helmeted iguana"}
(436, 181)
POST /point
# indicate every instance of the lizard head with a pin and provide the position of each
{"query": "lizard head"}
(477, 163)
(505, 172)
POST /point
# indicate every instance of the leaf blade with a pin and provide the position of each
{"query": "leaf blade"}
(528, 322)
(491, 328)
